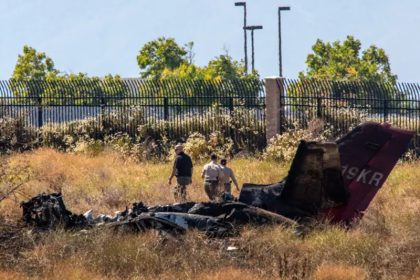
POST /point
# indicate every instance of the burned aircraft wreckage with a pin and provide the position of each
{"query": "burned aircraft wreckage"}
(334, 181)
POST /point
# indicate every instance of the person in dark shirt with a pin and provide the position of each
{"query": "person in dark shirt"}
(182, 170)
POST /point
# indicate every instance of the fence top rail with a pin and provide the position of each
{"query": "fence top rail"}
(351, 89)
(66, 89)
(119, 87)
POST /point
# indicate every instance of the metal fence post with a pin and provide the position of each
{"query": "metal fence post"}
(165, 108)
(40, 112)
(231, 130)
(385, 110)
(319, 107)
(102, 105)
(231, 105)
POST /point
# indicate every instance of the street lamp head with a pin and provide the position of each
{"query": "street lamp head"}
(253, 27)
(284, 8)
(240, 4)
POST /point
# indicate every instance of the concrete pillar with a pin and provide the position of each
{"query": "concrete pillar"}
(274, 99)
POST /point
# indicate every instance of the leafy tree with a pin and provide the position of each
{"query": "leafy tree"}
(347, 75)
(35, 80)
(219, 81)
(160, 54)
(344, 61)
(80, 89)
(163, 58)
(31, 70)
(225, 67)
(186, 71)
(33, 65)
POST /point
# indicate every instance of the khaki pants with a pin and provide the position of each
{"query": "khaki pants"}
(180, 190)
(212, 189)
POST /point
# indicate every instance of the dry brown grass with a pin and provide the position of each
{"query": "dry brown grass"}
(108, 182)
(339, 272)
(385, 244)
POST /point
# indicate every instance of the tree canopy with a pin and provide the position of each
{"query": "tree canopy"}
(33, 65)
(223, 67)
(346, 61)
(36, 80)
(160, 54)
(163, 58)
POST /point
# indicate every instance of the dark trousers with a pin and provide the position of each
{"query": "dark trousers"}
(180, 191)
(228, 187)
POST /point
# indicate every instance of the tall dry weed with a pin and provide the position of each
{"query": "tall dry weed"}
(383, 245)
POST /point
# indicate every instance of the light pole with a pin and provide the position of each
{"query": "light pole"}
(243, 4)
(252, 28)
(280, 54)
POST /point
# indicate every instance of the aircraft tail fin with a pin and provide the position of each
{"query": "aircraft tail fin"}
(368, 154)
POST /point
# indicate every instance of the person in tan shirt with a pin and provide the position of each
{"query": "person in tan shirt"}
(228, 177)
(213, 176)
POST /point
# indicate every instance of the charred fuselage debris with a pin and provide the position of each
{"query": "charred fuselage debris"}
(314, 183)
(47, 211)
(216, 219)
(336, 181)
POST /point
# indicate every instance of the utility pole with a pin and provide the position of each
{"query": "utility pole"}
(243, 4)
(280, 53)
(252, 28)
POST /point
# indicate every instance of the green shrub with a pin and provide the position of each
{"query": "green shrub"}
(130, 132)
(342, 120)
(15, 135)
(221, 145)
(282, 147)
(88, 146)
(197, 146)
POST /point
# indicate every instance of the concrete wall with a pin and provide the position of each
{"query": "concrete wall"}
(274, 90)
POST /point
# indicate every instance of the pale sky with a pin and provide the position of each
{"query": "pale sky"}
(100, 37)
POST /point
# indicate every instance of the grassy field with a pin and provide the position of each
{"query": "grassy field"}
(384, 245)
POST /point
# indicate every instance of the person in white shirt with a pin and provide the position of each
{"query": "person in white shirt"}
(228, 177)
(213, 176)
